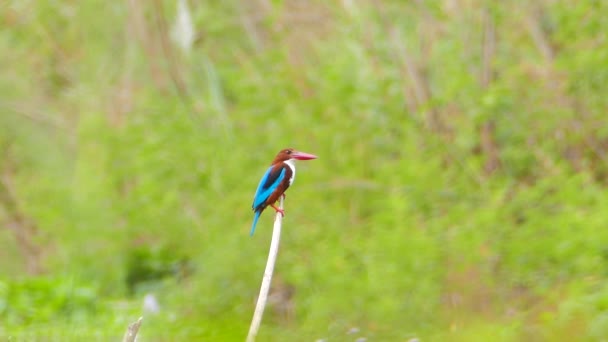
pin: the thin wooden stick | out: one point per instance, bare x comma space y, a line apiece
132, 330
264, 289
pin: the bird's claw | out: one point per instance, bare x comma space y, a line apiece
278, 210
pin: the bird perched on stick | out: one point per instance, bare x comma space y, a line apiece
276, 180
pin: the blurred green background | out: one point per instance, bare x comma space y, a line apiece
460, 193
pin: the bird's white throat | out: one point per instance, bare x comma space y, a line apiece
292, 165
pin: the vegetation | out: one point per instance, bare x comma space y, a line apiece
460, 194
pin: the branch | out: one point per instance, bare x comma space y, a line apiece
488, 128
22, 226
488, 48
420, 84
272, 257
132, 330
539, 36
167, 50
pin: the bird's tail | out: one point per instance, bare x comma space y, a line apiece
255, 222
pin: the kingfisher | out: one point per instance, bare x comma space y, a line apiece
276, 180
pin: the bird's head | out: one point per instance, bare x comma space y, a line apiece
290, 153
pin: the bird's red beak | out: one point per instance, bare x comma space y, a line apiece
303, 156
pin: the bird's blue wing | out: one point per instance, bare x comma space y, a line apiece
269, 182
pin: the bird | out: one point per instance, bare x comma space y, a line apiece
276, 180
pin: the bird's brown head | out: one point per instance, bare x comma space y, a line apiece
290, 153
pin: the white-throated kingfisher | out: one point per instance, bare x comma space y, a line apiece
276, 180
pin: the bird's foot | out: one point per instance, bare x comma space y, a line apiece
278, 210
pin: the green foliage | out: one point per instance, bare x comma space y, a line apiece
42, 300
442, 207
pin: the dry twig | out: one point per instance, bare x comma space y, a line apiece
132, 330
266, 280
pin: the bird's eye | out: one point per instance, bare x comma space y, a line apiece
288, 151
